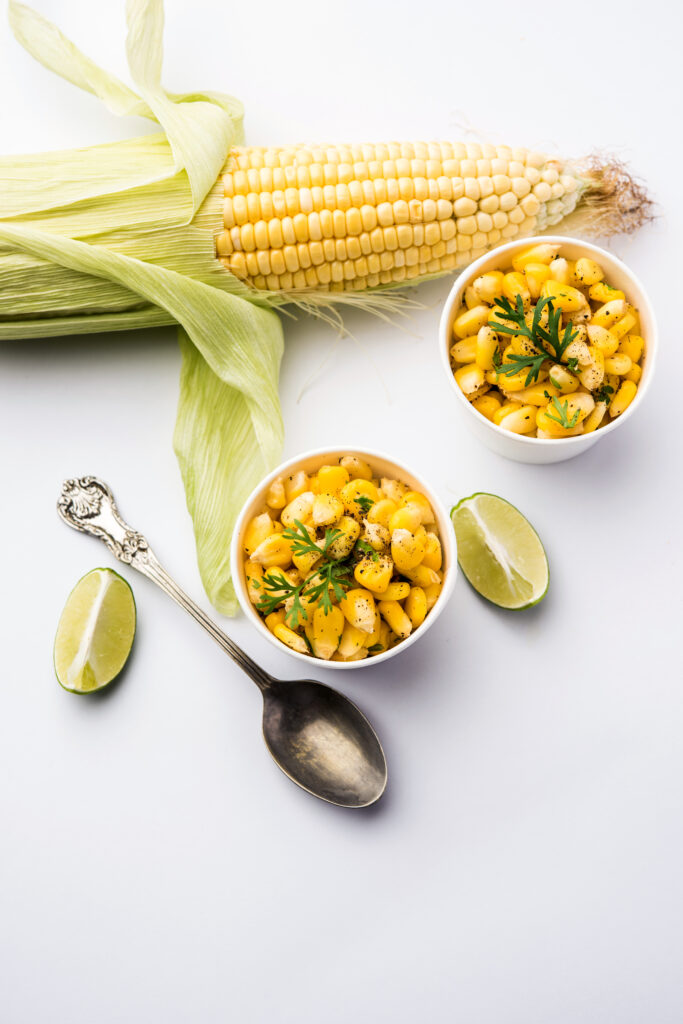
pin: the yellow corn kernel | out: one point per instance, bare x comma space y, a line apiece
471, 298
632, 311
307, 560
562, 379
422, 576
560, 270
465, 351
433, 557
273, 551
470, 321
470, 378
326, 509
431, 593
521, 421
287, 636
299, 508
394, 592
623, 398
623, 326
632, 346
603, 339
536, 394
395, 618
275, 619
416, 606
587, 272
258, 529
360, 655
296, 484
331, 479
358, 469
358, 607
382, 511
593, 421
358, 490
486, 347
514, 284
518, 381
352, 641
489, 286
505, 408
603, 292
542, 253
487, 405
393, 489
327, 632
275, 495
374, 573
608, 314
618, 364
415, 499
374, 639
342, 545
563, 296
408, 549
536, 274
593, 375
376, 535
634, 374
578, 350
406, 518
254, 573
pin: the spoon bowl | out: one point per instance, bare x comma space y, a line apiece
323, 742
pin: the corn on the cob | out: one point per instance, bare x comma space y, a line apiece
356, 217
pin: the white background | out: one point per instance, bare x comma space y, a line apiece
524, 866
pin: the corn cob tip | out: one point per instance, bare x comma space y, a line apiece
614, 201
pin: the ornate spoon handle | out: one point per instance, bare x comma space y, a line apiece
88, 505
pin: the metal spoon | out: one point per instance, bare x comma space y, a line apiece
316, 736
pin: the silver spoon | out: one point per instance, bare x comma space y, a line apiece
316, 736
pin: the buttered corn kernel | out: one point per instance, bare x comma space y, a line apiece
623, 398
340, 564
548, 345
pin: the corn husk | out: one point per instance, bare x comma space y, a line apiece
122, 236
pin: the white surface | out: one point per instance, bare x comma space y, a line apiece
535, 450
525, 865
311, 461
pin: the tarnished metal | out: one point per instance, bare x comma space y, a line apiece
318, 737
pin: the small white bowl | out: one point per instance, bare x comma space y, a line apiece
540, 450
382, 465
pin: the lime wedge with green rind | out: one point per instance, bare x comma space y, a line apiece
95, 632
499, 551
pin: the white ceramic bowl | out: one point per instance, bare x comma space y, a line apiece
382, 466
536, 449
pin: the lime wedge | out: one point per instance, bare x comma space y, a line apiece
499, 551
95, 632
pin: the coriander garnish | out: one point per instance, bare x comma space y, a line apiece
546, 339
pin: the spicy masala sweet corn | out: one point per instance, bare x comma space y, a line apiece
547, 347
342, 564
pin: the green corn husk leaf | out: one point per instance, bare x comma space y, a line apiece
119, 236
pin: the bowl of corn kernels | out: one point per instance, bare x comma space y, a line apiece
343, 556
549, 344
